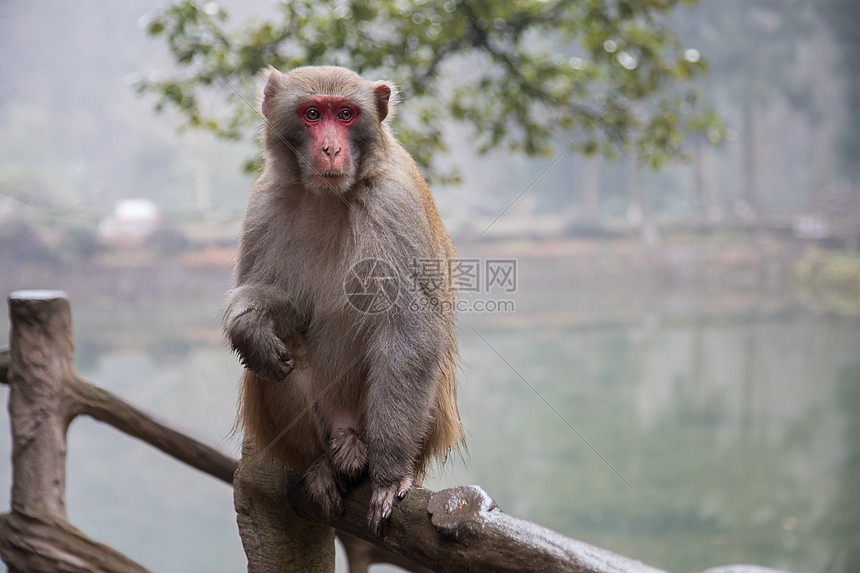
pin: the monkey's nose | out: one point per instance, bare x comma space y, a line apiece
327, 150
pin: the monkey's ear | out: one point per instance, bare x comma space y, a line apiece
271, 76
382, 95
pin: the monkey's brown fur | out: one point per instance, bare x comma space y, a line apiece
329, 389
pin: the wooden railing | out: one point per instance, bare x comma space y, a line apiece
457, 529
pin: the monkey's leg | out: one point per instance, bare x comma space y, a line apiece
322, 485
399, 403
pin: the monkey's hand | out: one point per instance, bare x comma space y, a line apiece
382, 501
259, 349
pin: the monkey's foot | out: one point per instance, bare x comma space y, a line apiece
382, 502
348, 454
321, 484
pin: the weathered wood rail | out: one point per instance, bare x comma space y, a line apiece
458, 529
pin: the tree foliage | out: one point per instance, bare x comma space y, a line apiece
842, 16
527, 75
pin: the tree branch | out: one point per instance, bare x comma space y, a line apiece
85, 398
462, 529
110, 409
37, 544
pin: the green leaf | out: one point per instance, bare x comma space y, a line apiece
519, 74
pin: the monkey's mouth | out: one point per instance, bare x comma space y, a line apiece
332, 178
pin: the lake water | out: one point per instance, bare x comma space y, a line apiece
679, 426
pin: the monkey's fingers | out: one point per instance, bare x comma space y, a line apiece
278, 363
282, 364
286, 366
274, 370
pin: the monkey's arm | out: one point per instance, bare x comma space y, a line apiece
250, 325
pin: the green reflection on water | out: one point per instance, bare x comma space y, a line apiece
741, 436
737, 436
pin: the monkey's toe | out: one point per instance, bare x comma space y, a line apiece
323, 488
382, 502
348, 454
404, 487
381, 506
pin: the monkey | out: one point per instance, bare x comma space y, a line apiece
334, 386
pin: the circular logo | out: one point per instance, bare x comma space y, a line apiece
371, 286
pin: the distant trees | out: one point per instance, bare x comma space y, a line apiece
842, 17
759, 56
517, 73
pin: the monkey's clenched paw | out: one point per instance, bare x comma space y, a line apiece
276, 370
348, 454
259, 349
277, 364
274, 363
322, 487
382, 502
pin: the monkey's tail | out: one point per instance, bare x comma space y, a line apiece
447, 433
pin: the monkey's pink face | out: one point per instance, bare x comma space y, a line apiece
328, 121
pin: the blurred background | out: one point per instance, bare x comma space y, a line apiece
697, 324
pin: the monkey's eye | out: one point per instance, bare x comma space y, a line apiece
345, 115
312, 115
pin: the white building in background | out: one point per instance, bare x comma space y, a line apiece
131, 220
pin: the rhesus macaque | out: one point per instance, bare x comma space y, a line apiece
334, 387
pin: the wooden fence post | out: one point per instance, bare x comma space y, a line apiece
36, 537
42, 347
